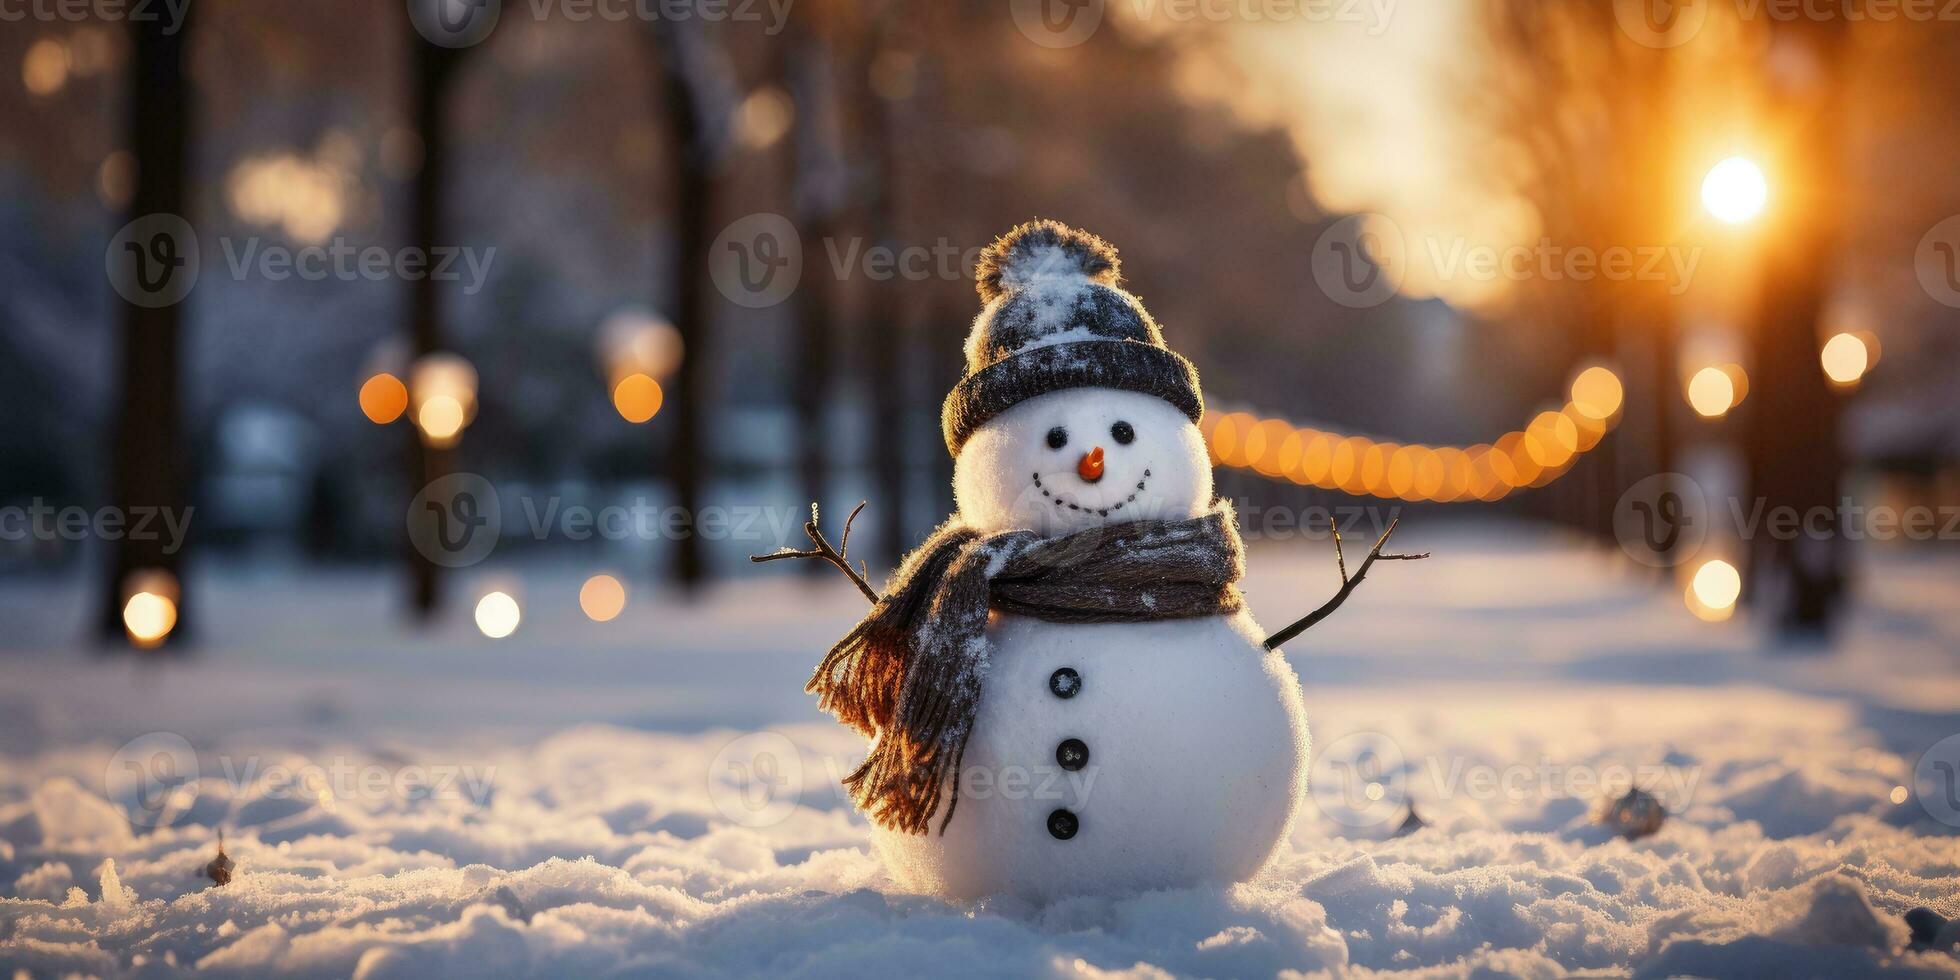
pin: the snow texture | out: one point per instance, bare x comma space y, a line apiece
655, 796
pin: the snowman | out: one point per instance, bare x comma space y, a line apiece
1065, 692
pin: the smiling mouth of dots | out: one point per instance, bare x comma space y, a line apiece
1061, 501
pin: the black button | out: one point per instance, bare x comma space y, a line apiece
1062, 825
1065, 683
1072, 754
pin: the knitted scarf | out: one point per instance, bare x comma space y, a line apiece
910, 674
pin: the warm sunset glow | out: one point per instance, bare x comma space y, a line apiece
1845, 358
602, 598
1711, 392
1735, 190
637, 398
497, 615
383, 398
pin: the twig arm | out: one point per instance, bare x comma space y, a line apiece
1347, 584
836, 556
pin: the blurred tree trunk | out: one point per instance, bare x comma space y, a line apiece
818, 192
434, 67
1794, 460
691, 195
148, 449
885, 336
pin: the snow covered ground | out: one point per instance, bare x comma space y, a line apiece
656, 795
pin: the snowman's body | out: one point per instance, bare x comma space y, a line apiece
1102, 757
1196, 743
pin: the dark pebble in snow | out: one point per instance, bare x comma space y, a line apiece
1410, 824
1635, 815
1925, 924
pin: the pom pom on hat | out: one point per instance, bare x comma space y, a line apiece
1044, 250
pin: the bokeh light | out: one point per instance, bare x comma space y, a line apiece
497, 615
764, 116
1543, 451
149, 618
1711, 392
1735, 190
1597, 393
1845, 358
150, 607
441, 420
602, 597
637, 398
442, 396
383, 398
45, 68
1713, 591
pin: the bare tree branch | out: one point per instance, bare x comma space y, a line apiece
1347, 584
836, 556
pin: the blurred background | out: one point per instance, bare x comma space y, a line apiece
322, 287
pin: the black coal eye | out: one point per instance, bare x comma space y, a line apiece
1057, 437
1122, 433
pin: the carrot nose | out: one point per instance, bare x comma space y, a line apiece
1090, 469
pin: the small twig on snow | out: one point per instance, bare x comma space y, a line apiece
1347, 584
836, 556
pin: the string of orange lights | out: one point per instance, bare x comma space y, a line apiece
1544, 450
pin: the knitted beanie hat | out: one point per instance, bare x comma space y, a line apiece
1055, 318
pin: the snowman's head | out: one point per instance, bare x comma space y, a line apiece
1080, 457
1073, 412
